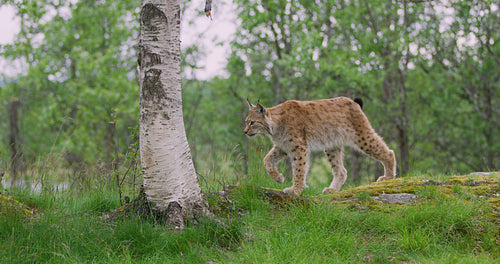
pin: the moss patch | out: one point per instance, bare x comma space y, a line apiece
484, 186
472, 186
10, 206
475, 184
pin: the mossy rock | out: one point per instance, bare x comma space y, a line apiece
398, 185
484, 185
399, 191
477, 184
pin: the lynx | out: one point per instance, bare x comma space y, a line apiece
298, 127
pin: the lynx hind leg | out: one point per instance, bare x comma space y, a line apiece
389, 167
273, 157
374, 146
335, 157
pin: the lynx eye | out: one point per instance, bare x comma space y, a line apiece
251, 123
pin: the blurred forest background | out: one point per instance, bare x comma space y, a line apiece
428, 72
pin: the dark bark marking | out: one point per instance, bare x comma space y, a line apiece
175, 217
153, 19
148, 59
152, 89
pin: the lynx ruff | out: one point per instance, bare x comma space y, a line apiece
298, 127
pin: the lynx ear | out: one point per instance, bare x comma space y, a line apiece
261, 109
250, 105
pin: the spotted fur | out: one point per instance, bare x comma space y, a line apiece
298, 127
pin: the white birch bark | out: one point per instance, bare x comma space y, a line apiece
170, 182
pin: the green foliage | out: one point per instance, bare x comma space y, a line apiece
79, 91
428, 74
430, 86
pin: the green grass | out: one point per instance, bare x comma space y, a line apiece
67, 228
437, 230
456, 226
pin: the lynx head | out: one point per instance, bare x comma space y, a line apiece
256, 122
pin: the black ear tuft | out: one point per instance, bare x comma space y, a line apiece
250, 105
359, 101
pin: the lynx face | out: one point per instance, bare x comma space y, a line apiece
256, 122
298, 127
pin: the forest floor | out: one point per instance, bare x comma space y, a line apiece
439, 219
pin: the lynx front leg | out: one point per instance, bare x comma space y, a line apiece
335, 157
300, 164
273, 157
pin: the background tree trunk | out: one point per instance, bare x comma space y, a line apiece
170, 182
14, 139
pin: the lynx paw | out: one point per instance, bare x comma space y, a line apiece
278, 177
329, 190
292, 191
384, 178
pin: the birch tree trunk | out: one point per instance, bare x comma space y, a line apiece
170, 182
